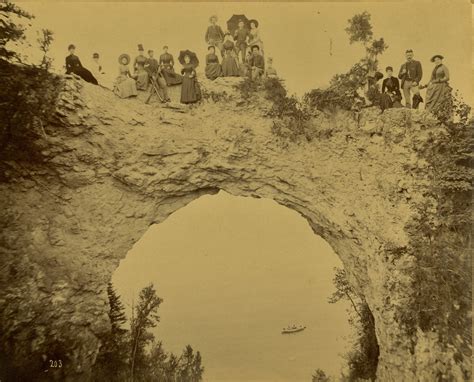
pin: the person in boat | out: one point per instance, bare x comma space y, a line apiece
213, 67
167, 66
438, 92
241, 36
141, 75
391, 94
73, 65
190, 90
256, 64
254, 35
155, 73
214, 35
125, 86
270, 71
230, 67
411, 73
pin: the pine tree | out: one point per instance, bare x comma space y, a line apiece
111, 363
144, 317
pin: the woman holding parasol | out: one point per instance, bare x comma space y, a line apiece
190, 90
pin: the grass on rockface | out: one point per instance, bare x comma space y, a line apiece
442, 276
290, 116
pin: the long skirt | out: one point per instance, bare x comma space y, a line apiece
171, 77
230, 67
125, 87
386, 101
213, 70
86, 75
190, 90
142, 79
438, 98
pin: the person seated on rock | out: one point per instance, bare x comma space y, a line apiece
256, 64
157, 78
270, 71
167, 68
97, 69
213, 68
390, 90
73, 65
125, 86
373, 89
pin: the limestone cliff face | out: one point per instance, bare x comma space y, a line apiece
113, 167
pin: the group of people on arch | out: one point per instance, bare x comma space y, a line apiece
240, 52
408, 81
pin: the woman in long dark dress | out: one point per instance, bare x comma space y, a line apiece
190, 91
73, 65
391, 94
438, 94
141, 75
230, 67
213, 68
167, 68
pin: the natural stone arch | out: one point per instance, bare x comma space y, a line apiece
112, 168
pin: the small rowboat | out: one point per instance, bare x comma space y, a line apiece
293, 329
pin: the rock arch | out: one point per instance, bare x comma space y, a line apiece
113, 167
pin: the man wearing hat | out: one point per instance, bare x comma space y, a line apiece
410, 74
256, 63
241, 35
215, 35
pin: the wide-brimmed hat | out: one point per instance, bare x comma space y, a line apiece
255, 46
436, 56
254, 21
71, 46
122, 56
213, 17
140, 47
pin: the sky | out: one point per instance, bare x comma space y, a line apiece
295, 34
232, 272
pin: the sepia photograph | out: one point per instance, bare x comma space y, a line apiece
236, 191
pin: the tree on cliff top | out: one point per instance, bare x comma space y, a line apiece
342, 90
10, 30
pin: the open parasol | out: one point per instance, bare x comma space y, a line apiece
194, 60
233, 23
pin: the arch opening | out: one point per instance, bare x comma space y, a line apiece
233, 271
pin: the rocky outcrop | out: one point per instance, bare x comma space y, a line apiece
112, 167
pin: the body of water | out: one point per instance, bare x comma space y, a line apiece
233, 272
